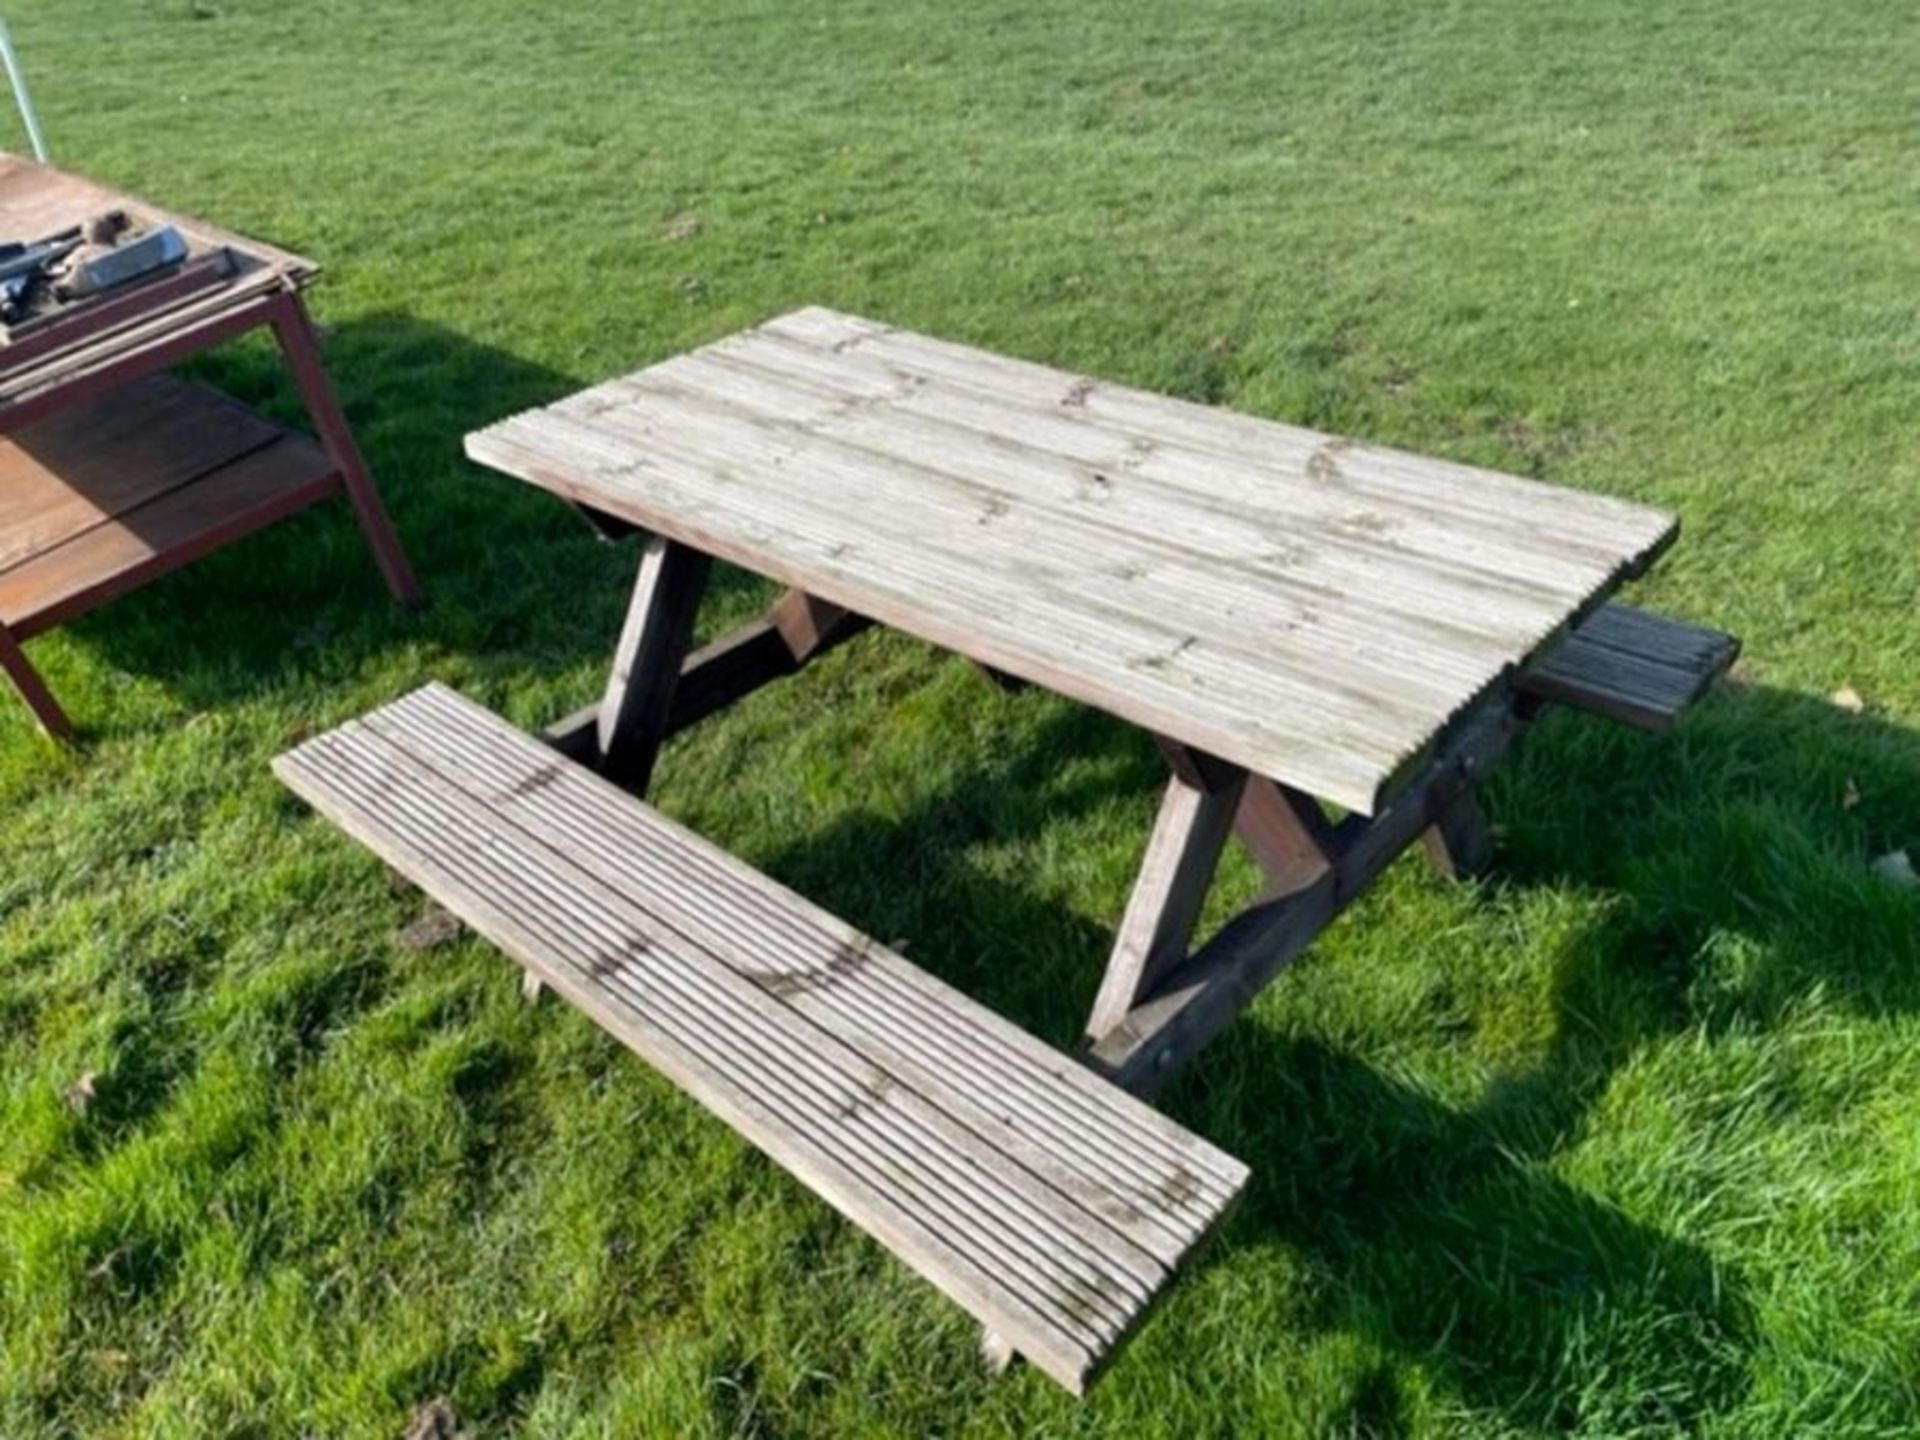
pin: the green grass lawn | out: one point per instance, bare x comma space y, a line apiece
1624, 1141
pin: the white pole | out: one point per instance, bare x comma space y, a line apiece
20, 96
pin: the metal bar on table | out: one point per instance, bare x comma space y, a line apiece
17, 78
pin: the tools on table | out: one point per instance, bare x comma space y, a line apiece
24, 265
43, 279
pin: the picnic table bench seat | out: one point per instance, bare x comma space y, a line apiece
1632, 665
1048, 1202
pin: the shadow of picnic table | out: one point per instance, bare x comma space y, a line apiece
1445, 1232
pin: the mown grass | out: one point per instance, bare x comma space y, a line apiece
1623, 1142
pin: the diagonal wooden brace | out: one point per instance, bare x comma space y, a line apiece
809, 626
1191, 1000
632, 719
1288, 834
797, 629
1182, 854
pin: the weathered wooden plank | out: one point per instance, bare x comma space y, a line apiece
1158, 676
924, 541
1392, 476
880, 1021
735, 989
1308, 609
164, 533
1385, 603
1126, 481
881, 1004
836, 1122
1632, 665
99, 459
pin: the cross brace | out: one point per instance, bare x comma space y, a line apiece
796, 630
1159, 1004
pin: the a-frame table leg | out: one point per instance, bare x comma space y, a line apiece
294, 330
636, 710
32, 688
1314, 870
1196, 818
798, 629
647, 661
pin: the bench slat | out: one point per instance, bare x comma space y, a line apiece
721, 979
1162, 1199
1632, 665
794, 1101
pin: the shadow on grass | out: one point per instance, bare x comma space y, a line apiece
1446, 1236
513, 581
1759, 820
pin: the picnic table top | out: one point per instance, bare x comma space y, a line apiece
1315, 609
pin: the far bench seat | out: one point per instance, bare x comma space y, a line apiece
1632, 665
1049, 1203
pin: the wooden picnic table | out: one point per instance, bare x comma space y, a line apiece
113, 472
1331, 642
1296, 617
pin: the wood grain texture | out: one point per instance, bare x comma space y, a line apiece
1633, 666
1048, 1203
164, 533
1309, 608
101, 458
